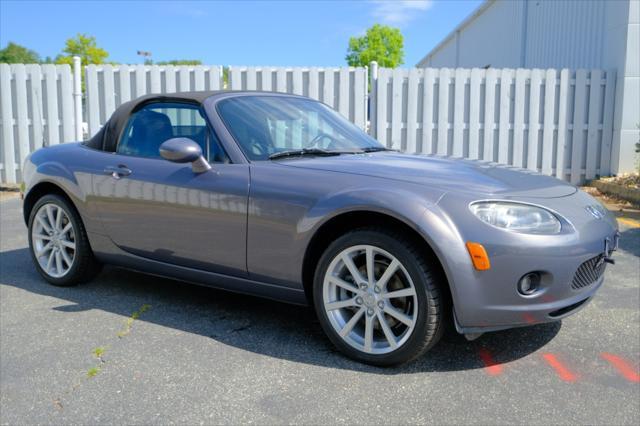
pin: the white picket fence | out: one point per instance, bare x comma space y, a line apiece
108, 86
344, 89
36, 109
556, 122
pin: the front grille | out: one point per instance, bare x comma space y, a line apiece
588, 273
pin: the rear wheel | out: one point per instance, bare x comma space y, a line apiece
58, 242
377, 298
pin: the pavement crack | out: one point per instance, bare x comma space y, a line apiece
241, 328
98, 353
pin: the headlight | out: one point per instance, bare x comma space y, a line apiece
517, 217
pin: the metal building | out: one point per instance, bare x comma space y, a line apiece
557, 34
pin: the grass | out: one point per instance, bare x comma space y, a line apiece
129, 322
98, 352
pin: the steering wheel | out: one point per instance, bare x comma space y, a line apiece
315, 142
257, 148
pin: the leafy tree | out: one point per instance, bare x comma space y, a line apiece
84, 46
381, 43
16, 54
180, 62
225, 77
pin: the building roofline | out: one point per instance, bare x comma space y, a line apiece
477, 12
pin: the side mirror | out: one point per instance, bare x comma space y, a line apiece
184, 150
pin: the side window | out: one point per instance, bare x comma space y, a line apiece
153, 124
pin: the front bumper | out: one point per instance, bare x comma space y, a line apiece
489, 300
531, 315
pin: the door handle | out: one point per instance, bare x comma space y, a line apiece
117, 172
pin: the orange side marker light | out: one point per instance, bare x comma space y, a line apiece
622, 366
479, 256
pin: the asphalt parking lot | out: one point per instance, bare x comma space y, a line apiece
136, 349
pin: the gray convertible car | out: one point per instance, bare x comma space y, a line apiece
279, 196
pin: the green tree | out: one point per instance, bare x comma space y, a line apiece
84, 46
180, 62
381, 43
16, 54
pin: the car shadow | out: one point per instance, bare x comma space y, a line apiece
261, 326
630, 241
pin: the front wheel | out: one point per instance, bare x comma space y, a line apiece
377, 297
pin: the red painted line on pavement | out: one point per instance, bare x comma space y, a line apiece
491, 367
563, 372
622, 366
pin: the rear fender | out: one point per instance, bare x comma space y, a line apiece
75, 185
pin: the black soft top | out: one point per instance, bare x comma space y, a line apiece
107, 137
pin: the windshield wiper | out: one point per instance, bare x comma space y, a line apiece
376, 149
324, 153
303, 152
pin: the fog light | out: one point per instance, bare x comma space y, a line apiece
529, 284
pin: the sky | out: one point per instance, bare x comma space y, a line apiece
276, 33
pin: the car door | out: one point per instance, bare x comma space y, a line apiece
164, 211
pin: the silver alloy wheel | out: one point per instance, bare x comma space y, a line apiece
53, 240
370, 299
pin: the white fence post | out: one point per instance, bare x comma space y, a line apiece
22, 112
412, 111
8, 148
442, 142
77, 97
607, 126
93, 99
372, 97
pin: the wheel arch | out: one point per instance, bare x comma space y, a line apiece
38, 191
351, 220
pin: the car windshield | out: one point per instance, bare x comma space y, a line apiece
267, 125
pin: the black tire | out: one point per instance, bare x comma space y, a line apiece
429, 324
84, 266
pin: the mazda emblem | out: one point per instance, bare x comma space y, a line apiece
594, 212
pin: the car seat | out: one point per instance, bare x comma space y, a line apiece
149, 130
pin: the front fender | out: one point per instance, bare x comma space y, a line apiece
422, 214
364, 199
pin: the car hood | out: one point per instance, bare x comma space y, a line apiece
442, 173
